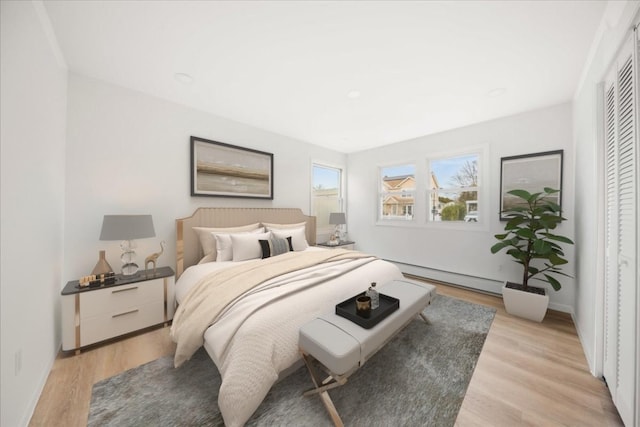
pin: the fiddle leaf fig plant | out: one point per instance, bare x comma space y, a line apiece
529, 240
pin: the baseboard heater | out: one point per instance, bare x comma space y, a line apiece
490, 286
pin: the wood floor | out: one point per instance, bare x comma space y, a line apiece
528, 374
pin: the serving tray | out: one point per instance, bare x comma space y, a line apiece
347, 309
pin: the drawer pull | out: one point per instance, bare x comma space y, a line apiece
124, 290
126, 312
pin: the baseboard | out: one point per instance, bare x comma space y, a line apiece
587, 354
482, 284
463, 280
33, 402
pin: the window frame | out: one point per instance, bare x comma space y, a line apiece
421, 205
341, 195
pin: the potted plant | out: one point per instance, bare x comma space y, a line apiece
529, 241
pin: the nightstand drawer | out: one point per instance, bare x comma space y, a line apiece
119, 322
120, 298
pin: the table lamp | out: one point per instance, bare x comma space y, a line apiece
337, 219
127, 228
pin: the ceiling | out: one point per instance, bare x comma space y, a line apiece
295, 68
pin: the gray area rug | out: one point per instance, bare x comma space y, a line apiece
418, 379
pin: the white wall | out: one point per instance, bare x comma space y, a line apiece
128, 152
32, 135
589, 161
464, 251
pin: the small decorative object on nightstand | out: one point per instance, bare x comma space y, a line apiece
154, 257
127, 228
102, 267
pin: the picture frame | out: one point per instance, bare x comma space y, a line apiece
224, 170
530, 172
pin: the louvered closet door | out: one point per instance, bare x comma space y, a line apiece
621, 280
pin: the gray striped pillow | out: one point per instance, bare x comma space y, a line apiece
275, 246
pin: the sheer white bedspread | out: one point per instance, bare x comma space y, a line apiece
256, 338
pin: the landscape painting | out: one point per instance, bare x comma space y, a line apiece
530, 172
224, 170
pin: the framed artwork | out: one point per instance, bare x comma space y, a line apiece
530, 172
225, 170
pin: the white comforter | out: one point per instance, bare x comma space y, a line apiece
256, 338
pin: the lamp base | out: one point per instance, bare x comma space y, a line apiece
128, 258
129, 269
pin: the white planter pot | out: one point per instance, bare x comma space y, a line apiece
525, 304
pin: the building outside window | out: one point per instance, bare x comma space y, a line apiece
453, 189
397, 192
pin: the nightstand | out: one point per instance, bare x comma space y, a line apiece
342, 245
91, 315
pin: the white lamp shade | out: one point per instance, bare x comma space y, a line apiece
127, 227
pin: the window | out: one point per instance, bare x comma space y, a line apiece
397, 192
326, 195
453, 189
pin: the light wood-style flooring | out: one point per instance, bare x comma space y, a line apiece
528, 374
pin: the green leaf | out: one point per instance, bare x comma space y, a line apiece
556, 285
517, 254
499, 246
554, 207
523, 194
525, 233
514, 223
558, 238
556, 260
533, 197
542, 247
550, 190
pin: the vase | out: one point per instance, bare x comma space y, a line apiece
525, 304
102, 266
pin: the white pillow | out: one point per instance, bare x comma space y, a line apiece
208, 242
224, 246
281, 226
298, 237
247, 246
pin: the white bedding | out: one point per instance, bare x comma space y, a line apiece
256, 338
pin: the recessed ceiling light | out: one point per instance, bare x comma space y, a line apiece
183, 78
353, 94
494, 93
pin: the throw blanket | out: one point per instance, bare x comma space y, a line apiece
214, 292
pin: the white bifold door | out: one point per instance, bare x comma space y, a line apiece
622, 297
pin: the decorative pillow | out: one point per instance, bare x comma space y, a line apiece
281, 226
298, 237
275, 246
224, 246
247, 246
208, 242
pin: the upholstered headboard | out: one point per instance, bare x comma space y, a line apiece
188, 251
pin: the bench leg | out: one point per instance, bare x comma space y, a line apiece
322, 392
425, 318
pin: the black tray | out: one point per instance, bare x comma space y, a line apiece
347, 309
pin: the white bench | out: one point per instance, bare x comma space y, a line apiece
342, 346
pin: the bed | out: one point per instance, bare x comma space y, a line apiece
247, 310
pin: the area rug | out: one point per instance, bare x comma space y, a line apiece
418, 378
